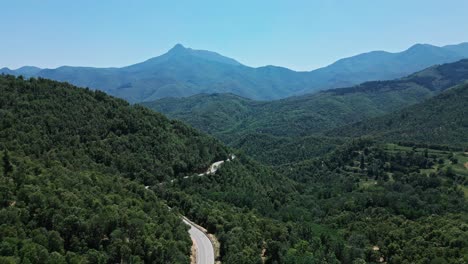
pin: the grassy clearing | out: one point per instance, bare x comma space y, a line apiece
365, 184
460, 167
397, 148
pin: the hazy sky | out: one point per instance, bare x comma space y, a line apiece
301, 35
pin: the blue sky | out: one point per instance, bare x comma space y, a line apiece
301, 35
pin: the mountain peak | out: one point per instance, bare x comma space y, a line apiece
180, 51
177, 48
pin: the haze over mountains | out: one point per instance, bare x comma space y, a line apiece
87, 177
183, 72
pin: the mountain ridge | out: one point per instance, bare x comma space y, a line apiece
253, 125
182, 72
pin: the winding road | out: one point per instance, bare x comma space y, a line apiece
205, 253
204, 247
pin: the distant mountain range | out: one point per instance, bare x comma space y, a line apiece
184, 72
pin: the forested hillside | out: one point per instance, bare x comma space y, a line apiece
50, 117
363, 203
120, 146
221, 115
393, 197
68, 159
234, 119
227, 115
74, 162
276, 150
441, 120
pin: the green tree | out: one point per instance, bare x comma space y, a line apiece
7, 166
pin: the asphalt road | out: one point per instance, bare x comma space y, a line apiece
205, 251
204, 247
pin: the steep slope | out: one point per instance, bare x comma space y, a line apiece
439, 120
217, 114
184, 72
68, 117
68, 158
276, 150
73, 164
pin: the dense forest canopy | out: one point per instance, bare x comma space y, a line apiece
75, 162
228, 116
442, 120
339, 208
235, 120
48, 119
69, 156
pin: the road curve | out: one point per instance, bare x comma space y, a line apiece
204, 248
